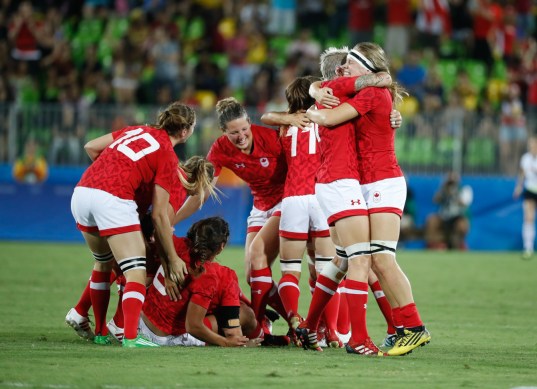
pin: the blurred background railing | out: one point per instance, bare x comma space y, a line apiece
450, 139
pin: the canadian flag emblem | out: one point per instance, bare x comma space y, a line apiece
377, 197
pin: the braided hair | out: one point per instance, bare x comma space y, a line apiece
207, 237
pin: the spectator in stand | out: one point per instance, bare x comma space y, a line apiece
412, 75
239, 72
529, 73
513, 132
307, 50
282, 17
399, 24
486, 15
31, 167
361, 20
126, 71
432, 22
461, 24
67, 134
527, 187
466, 90
447, 229
24, 30
165, 54
207, 75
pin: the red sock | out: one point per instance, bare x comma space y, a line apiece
410, 316
84, 303
261, 285
289, 293
118, 316
133, 299
244, 299
331, 312
343, 323
311, 283
324, 290
100, 298
384, 306
357, 300
258, 332
275, 301
397, 319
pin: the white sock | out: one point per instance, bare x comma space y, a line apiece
528, 236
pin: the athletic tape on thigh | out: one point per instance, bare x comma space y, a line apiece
320, 263
103, 258
133, 263
331, 271
358, 249
343, 259
291, 265
383, 247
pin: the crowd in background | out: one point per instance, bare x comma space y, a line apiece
453, 56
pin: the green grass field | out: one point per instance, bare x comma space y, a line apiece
481, 309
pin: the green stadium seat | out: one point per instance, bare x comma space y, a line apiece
401, 147
445, 148
421, 152
116, 28
480, 153
93, 133
195, 29
221, 60
379, 34
278, 45
477, 71
447, 69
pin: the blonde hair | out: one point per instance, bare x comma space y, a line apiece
229, 109
199, 177
376, 55
330, 59
175, 118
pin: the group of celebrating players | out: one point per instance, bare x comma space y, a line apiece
327, 183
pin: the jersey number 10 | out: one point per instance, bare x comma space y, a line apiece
122, 144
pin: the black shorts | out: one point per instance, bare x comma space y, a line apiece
527, 195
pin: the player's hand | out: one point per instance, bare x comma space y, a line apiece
236, 341
299, 119
178, 270
254, 342
396, 119
325, 97
172, 289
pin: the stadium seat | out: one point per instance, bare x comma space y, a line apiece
480, 153
278, 45
379, 34
195, 29
401, 147
221, 60
477, 71
447, 69
421, 152
93, 133
445, 148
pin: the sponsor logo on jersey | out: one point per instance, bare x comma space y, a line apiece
355, 202
240, 165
